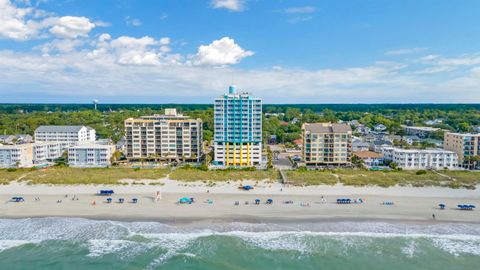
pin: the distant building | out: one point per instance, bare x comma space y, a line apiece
65, 135
327, 144
16, 139
421, 132
359, 145
378, 145
410, 140
90, 155
380, 127
370, 159
419, 159
238, 129
466, 145
165, 137
433, 122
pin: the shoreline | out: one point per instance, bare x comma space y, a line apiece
411, 204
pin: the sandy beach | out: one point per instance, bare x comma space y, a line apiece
410, 204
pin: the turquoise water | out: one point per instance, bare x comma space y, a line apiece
72, 243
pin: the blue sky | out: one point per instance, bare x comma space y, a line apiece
286, 51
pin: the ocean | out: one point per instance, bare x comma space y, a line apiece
75, 243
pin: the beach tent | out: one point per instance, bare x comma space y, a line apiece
247, 187
185, 200
106, 192
17, 199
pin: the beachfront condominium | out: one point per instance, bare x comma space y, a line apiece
29, 154
65, 135
327, 144
237, 129
467, 147
164, 137
421, 159
91, 155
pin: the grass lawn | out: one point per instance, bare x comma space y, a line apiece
74, 176
8, 176
194, 174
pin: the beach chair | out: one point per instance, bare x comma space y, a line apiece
442, 206
109, 200
134, 200
269, 201
121, 200
257, 201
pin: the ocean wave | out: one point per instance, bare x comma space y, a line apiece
129, 239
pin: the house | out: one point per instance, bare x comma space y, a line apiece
378, 145
369, 158
298, 143
410, 140
380, 127
421, 132
16, 139
360, 146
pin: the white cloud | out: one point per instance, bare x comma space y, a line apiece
132, 21
299, 10
232, 5
61, 45
465, 60
14, 23
405, 51
220, 52
70, 26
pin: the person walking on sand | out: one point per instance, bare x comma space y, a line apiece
433, 216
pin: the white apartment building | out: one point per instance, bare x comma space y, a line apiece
46, 151
91, 155
421, 132
237, 129
419, 159
65, 135
12, 156
30, 154
166, 137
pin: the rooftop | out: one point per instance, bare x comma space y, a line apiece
327, 128
367, 154
61, 128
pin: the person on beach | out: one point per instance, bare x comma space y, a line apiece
94, 203
433, 216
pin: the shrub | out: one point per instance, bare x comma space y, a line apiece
421, 172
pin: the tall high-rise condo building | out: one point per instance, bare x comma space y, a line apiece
238, 129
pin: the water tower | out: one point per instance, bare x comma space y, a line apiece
95, 102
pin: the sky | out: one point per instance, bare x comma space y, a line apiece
285, 51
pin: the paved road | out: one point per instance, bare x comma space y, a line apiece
283, 162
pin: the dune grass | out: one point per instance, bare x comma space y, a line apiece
8, 175
75, 176
299, 177
359, 177
194, 174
